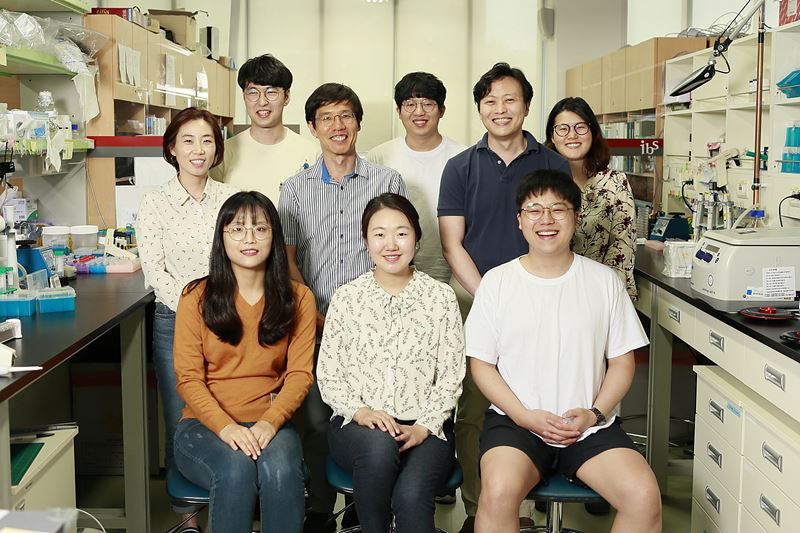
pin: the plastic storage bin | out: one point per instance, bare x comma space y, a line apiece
55, 236
84, 237
56, 300
19, 303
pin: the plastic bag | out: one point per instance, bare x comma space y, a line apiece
9, 36
91, 42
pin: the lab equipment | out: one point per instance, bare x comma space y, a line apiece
56, 300
20, 303
6, 370
84, 237
747, 267
672, 226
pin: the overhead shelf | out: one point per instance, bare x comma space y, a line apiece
38, 6
27, 61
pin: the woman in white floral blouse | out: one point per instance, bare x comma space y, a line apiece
390, 367
606, 231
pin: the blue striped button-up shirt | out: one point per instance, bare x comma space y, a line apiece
322, 218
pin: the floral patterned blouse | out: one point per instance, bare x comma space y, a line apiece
606, 231
400, 354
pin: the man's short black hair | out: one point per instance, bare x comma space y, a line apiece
265, 70
541, 181
499, 71
420, 85
332, 93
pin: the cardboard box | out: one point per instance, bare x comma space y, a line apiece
788, 11
181, 23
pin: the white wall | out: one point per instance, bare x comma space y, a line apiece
655, 18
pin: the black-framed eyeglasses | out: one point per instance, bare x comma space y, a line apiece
534, 212
410, 105
238, 232
562, 130
270, 93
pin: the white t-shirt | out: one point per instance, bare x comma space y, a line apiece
550, 337
251, 166
422, 172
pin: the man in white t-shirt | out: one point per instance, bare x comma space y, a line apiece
420, 157
550, 338
267, 153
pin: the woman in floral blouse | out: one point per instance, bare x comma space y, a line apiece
606, 230
390, 366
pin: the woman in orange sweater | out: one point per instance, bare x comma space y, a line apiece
244, 344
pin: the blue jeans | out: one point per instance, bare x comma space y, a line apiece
234, 480
163, 362
387, 482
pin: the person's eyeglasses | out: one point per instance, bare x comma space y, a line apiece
270, 93
536, 211
348, 117
562, 130
409, 106
238, 232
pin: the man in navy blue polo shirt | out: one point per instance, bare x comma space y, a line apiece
478, 224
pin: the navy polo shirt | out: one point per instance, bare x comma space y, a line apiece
477, 185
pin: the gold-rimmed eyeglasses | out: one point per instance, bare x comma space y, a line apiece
252, 94
238, 231
410, 105
534, 212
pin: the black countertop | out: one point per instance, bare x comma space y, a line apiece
101, 303
649, 265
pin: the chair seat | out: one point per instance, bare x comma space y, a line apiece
183, 491
557, 488
342, 480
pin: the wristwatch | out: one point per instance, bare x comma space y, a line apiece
601, 418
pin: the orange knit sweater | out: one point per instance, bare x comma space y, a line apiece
224, 384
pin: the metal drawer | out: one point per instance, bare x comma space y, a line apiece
721, 411
768, 504
774, 453
714, 498
720, 343
774, 376
718, 457
676, 316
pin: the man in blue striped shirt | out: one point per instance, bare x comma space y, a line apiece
320, 209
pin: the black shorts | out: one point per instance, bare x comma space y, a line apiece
500, 430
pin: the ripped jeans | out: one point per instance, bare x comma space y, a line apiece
235, 480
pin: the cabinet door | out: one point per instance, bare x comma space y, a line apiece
574, 85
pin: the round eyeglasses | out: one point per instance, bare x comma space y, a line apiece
270, 93
562, 130
534, 212
409, 106
238, 232
348, 117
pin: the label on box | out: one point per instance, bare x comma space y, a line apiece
779, 282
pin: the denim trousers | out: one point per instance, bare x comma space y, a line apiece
163, 363
387, 482
234, 480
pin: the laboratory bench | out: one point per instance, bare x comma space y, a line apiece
746, 472
103, 303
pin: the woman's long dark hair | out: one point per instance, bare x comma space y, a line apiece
597, 158
219, 299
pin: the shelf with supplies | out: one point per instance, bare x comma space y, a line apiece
46, 6
24, 61
721, 116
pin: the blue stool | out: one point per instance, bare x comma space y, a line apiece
557, 490
342, 480
184, 493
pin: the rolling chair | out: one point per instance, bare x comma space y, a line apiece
342, 480
555, 491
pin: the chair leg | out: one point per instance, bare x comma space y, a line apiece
185, 520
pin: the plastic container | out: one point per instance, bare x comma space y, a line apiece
56, 300
55, 236
84, 237
20, 303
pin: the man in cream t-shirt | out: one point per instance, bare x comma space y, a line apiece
420, 157
266, 154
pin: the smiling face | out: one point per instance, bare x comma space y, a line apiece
503, 109
573, 146
548, 236
252, 251
194, 149
336, 127
391, 242
263, 112
418, 121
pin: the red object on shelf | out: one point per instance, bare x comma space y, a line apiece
123, 12
102, 141
788, 11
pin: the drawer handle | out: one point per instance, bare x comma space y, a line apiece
776, 378
769, 508
715, 455
716, 410
772, 456
714, 500
674, 314
715, 339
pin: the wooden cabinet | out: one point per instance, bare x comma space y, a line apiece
614, 81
